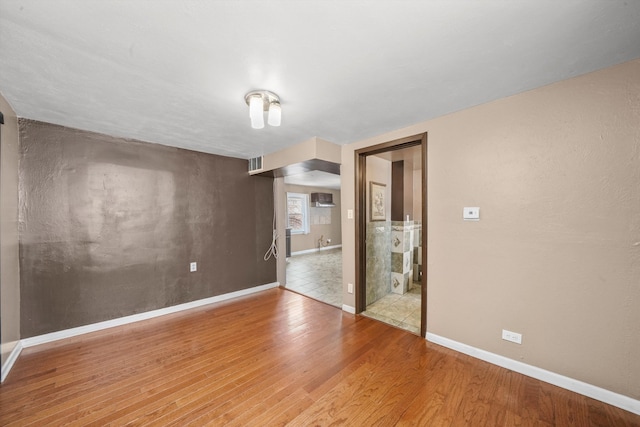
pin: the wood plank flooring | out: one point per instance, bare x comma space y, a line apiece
277, 358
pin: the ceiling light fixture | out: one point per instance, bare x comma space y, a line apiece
260, 101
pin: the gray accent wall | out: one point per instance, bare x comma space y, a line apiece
9, 265
109, 227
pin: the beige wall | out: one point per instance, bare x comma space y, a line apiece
9, 265
314, 148
408, 189
333, 231
556, 255
379, 171
417, 195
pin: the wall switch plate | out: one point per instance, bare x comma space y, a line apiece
349, 213
471, 214
193, 267
512, 336
350, 288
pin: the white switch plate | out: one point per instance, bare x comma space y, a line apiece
349, 213
350, 288
193, 267
512, 336
471, 214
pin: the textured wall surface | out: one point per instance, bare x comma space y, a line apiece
109, 227
556, 253
9, 265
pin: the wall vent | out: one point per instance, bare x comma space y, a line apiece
255, 164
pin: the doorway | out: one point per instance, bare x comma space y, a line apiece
391, 232
314, 234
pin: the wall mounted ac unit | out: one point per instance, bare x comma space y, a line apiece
322, 200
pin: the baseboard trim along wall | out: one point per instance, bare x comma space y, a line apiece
8, 364
310, 251
68, 333
348, 309
594, 392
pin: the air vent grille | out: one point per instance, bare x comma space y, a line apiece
255, 164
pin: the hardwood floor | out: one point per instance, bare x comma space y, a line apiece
277, 358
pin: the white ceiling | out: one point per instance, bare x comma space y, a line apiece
176, 72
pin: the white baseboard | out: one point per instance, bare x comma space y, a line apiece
348, 309
594, 392
310, 251
68, 333
8, 364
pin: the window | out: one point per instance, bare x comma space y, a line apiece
298, 213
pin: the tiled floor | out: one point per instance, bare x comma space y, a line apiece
318, 275
399, 310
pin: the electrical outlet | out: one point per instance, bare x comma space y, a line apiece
350, 288
349, 213
512, 336
193, 267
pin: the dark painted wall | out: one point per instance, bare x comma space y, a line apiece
109, 226
397, 191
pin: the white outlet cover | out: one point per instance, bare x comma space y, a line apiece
512, 336
193, 267
471, 214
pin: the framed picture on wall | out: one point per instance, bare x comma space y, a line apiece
377, 194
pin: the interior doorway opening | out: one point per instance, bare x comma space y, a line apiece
313, 265
391, 230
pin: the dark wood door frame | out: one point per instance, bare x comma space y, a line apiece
361, 223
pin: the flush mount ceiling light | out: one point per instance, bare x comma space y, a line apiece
260, 101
